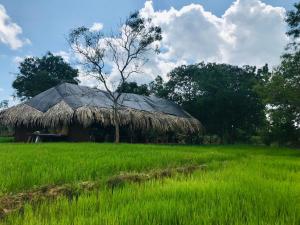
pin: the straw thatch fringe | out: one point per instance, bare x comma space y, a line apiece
20, 115
62, 114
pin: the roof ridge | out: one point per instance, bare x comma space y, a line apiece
56, 88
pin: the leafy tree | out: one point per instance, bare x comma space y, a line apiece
39, 74
158, 87
293, 20
221, 96
281, 90
134, 88
3, 129
281, 93
126, 51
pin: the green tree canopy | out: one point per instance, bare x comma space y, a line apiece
293, 20
221, 96
281, 90
281, 94
39, 74
134, 88
158, 88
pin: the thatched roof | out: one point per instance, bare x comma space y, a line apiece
68, 104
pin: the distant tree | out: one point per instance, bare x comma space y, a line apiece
158, 87
221, 96
3, 129
281, 93
293, 20
134, 88
39, 74
127, 51
281, 90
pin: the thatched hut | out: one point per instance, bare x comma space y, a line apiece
84, 114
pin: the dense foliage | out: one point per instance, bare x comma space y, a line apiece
134, 88
293, 20
281, 90
221, 96
281, 94
39, 74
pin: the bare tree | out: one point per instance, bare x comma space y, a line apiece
127, 51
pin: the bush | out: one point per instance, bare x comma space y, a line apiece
256, 140
211, 140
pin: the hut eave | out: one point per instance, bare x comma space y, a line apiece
62, 114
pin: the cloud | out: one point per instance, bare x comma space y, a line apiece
65, 55
10, 31
189, 34
258, 33
250, 32
87, 80
18, 59
96, 27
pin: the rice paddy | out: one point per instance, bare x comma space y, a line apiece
239, 185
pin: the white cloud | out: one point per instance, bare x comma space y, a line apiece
12, 101
18, 59
10, 31
65, 55
87, 80
250, 32
96, 27
189, 34
258, 33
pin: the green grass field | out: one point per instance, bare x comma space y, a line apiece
240, 185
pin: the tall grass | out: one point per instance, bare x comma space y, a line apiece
242, 184
233, 193
23, 166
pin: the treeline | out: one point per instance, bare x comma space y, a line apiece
235, 103
221, 96
240, 104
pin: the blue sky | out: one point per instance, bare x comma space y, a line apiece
47, 23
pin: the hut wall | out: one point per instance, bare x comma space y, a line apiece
22, 134
76, 133
79, 134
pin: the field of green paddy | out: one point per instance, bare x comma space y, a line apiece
239, 185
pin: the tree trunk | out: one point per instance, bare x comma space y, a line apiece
131, 133
117, 125
117, 133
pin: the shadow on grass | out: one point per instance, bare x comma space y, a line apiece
6, 139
